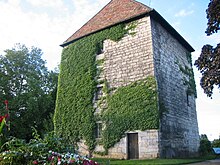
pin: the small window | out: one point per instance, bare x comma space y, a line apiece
187, 99
100, 48
99, 93
100, 51
98, 130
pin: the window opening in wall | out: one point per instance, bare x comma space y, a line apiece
98, 130
187, 98
100, 51
100, 48
99, 93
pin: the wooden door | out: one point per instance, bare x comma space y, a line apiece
133, 149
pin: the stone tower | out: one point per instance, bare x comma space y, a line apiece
164, 119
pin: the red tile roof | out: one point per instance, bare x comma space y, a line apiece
114, 12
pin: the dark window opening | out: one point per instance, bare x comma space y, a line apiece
99, 93
98, 130
100, 48
187, 99
100, 51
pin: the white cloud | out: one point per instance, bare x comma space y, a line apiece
183, 13
41, 29
84, 9
31, 29
46, 3
14, 2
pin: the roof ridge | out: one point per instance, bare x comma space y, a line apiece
140, 4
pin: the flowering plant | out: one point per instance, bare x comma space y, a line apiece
41, 151
3, 121
55, 158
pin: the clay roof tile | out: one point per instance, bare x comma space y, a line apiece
114, 12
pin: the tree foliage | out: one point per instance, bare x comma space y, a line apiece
205, 145
209, 65
29, 87
213, 16
209, 61
216, 143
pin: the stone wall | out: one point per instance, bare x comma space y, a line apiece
126, 61
151, 50
119, 151
179, 135
131, 58
147, 144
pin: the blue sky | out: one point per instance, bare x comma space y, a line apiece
47, 23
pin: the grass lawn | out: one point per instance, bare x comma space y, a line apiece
147, 162
152, 161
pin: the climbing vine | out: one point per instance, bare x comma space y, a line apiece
74, 119
189, 58
189, 80
130, 108
133, 107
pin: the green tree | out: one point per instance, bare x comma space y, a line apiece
205, 145
209, 61
213, 16
216, 143
30, 89
48, 125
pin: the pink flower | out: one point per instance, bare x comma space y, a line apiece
6, 104
50, 158
1, 118
6, 116
72, 161
93, 163
35, 162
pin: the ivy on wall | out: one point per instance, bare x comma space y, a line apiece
189, 80
130, 108
73, 118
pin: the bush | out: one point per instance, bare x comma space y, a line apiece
205, 147
49, 150
216, 143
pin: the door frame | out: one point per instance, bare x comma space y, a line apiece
128, 145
